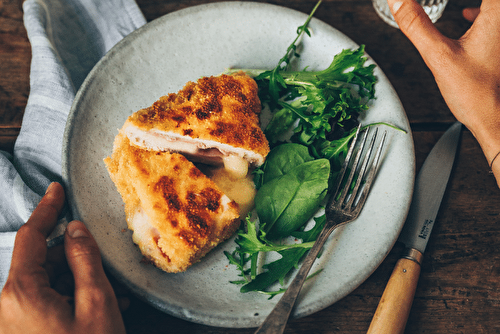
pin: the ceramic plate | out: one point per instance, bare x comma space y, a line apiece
160, 58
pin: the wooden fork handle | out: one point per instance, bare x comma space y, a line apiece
394, 306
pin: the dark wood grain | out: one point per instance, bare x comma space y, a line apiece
15, 56
459, 287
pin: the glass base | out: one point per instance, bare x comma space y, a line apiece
435, 10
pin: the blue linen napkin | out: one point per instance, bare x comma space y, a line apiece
67, 37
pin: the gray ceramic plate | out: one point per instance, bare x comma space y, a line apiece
160, 58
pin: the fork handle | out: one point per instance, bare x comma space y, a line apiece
394, 306
275, 322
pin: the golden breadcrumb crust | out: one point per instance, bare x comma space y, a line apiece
188, 214
222, 108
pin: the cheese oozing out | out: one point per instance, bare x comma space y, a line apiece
236, 166
241, 190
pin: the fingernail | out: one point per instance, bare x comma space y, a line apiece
396, 6
49, 188
77, 230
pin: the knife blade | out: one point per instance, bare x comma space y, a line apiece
430, 185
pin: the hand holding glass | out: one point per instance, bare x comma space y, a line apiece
433, 8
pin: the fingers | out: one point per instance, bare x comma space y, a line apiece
434, 48
470, 14
84, 259
28, 287
30, 247
416, 25
44, 217
92, 288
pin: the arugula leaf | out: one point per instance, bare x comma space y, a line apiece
251, 243
278, 270
276, 82
347, 67
282, 120
321, 101
239, 260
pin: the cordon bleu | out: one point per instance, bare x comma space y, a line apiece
176, 212
215, 121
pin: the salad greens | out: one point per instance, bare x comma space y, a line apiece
321, 109
280, 161
285, 203
277, 270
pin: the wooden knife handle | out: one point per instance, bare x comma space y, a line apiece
394, 306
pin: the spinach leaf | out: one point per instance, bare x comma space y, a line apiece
284, 158
288, 202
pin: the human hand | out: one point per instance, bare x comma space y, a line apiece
28, 303
467, 70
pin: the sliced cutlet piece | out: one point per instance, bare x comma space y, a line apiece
176, 212
214, 121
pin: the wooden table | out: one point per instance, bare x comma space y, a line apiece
459, 287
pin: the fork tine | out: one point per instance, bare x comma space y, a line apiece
345, 164
371, 175
354, 167
362, 171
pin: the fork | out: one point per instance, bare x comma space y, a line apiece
344, 206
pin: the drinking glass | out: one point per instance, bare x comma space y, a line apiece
433, 8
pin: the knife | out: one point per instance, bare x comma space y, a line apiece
394, 306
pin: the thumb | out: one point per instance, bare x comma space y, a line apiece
416, 25
93, 292
470, 14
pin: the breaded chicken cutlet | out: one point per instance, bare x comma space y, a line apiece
176, 212
215, 121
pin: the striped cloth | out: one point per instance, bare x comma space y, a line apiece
67, 39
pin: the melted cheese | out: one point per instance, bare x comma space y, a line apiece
241, 190
236, 166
